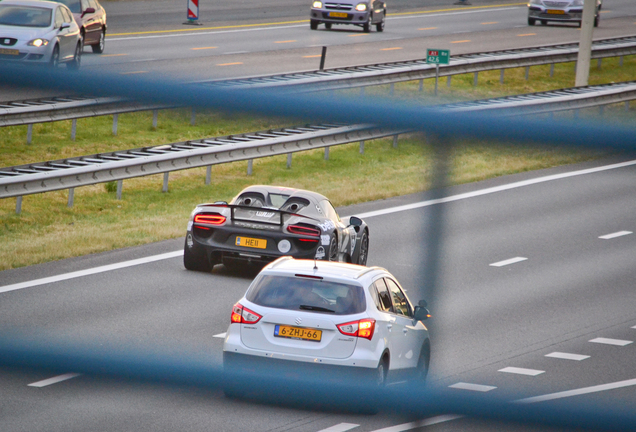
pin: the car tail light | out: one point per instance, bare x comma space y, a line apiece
303, 230
363, 328
207, 218
242, 315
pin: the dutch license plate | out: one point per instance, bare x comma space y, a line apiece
298, 333
338, 14
556, 12
251, 242
9, 51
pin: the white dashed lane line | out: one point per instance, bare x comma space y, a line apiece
54, 380
508, 262
581, 391
521, 371
608, 341
420, 423
616, 234
472, 387
567, 356
342, 427
220, 335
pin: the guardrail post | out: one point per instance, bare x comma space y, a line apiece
322, 57
448, 81
599, 62
115, 121
250, 165
395, 141
155, 117
289, 158
165, 182
392, 89
501, 76
620, 61
71, 195
29, 133
193, 118
73, 129
527, 73
421, 85
551, 70
362, 147
208, 174
120, 186
475, 78
326, 153
18, 205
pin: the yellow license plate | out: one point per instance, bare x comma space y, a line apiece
251, 242
298, 333
338, 14
9, 51
556, 12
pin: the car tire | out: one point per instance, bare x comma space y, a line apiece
364, 248
424, 362
328, 26
380, 26
366, 27
531, 21
99, 47
313, 24
380, 373
55, 57
333, 249
194, 258
596, 21
77, 58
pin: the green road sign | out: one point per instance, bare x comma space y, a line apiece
437, 56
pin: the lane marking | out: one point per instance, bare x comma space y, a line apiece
358, 35
428, 28
112, 55
495, 189
203, 48
568, 356
464, 10
287, 41
230, 64
508, 262
91, 271
616, 234
578, 392
390, 49
461, 41
54, 380
235, 52
366, 215
342, 427
521, 371
472, 387
526, 34
490, 23
220, 335
420, 423
608, 341
312, 56
634, 327
132, 73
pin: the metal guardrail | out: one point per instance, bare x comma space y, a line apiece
115, 166
388, 73
67, 108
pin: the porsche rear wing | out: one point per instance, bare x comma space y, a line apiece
263, 215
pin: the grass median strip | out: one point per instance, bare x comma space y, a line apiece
49, 230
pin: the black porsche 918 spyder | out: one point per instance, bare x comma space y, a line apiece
263, 223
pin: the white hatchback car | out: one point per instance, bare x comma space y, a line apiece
304, 317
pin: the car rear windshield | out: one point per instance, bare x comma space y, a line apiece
24, 16
307, 294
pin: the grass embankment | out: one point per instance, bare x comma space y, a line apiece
48, 230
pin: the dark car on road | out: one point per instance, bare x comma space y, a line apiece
263, 223
362, 13
91, 19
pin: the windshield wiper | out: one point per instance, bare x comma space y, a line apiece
315, 308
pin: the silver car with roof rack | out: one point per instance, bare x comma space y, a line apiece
563, 11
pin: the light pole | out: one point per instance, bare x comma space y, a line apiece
585, 45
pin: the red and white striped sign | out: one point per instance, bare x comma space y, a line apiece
193, 9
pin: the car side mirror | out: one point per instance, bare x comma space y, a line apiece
422, 303
89, 10
355, 221
65, 26
421, 313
